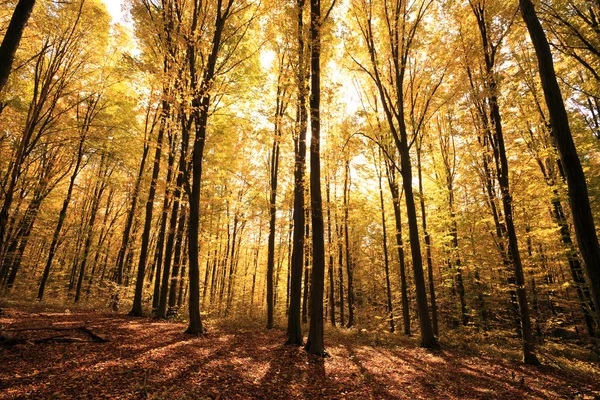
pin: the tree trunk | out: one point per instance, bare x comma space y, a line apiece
400, 246
314, 343
294, 329
331, 248
136, 309
272, 220
61, 219
166, 270
131, 215
10, 43
103, 174
578, 194
307, 259
386, 260
175, 278
434, 318
349, 266
159, 256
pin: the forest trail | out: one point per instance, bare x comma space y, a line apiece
145, 358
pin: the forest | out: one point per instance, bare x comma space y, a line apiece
299, 199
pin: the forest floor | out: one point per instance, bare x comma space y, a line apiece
145, 358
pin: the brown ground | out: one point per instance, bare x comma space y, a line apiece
150, 359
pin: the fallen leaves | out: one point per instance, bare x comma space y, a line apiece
151, 359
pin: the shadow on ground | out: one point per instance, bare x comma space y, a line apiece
150, 359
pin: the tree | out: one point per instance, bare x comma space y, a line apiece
497, 140
577, 187
314, 343
402, 22
294, 329
281, 101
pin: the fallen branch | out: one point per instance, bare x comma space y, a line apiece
7, 339
50, 328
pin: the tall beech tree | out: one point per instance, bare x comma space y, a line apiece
294, 328
348, 255
490, 49
315, 343
386, 259
583, 218
281, 102
149, 129
399, 31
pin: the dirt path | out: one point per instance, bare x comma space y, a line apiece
149, 359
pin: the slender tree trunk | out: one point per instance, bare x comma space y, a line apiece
272, 218
294, 329
315, 343
340, 249
400, 246
349, 266
159, 258
503, 181
166, 270
307, 258
136, 309
61, 219
130, 216
434, 318
101, 238
103, 174
22, 238
177, 259
182, 278
331, 248
386, 260
427, 336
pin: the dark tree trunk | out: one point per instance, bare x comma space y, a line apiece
131, 215
103, 174
104, 231
159, 256
395, 116
427, 336
61, 219
307, 259
349, 266
177, 259
10, 43
578, 194
163, 300
200, 111
331, 248
136, 309
489, 49
340, 249
447, 150
272, 220
13, 260
314, 343
294, 329
434, 318
183, 274
386, 259
235, 245
400, 246
280, 107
